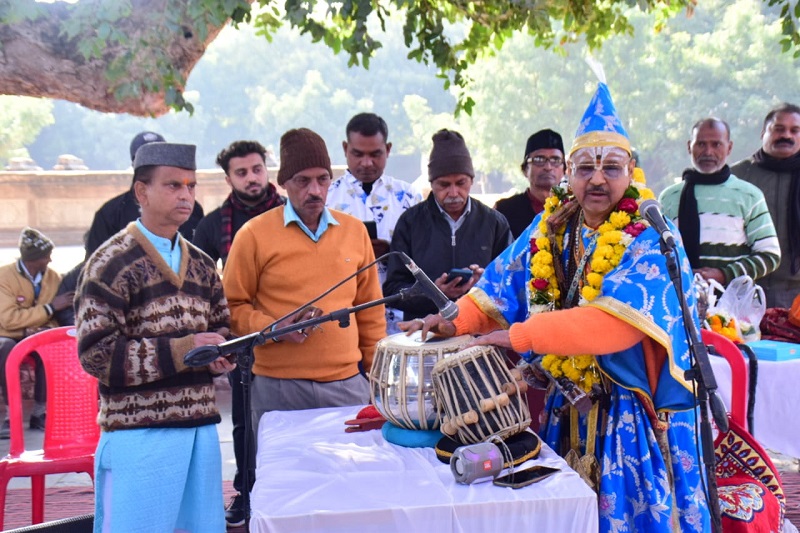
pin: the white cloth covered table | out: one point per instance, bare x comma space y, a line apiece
312, 476
777, 402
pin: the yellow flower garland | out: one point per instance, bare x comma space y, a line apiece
613, 238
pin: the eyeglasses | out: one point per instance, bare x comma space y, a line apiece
304, 181
540, 161
611, 171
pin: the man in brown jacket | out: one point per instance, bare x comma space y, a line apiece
27, 303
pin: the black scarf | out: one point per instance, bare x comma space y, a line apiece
688, 215
792, 166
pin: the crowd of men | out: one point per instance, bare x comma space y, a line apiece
151, 288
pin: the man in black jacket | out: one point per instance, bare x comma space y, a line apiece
245, 167
447, 231
543, 164
121, 210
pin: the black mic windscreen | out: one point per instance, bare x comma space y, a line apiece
201, 356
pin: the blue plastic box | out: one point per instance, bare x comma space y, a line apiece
775, 350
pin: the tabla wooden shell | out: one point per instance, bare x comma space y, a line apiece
479, 396
400, 380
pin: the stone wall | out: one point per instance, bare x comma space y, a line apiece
62, 204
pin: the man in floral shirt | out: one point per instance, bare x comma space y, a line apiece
365, 192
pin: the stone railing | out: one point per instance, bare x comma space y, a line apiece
62, 204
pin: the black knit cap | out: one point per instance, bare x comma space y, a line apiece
540, 140
302, 149
449, 155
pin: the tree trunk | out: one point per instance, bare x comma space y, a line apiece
157, 40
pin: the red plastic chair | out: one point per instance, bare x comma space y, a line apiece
71, 431
739, 375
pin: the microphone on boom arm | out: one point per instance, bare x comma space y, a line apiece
447, 308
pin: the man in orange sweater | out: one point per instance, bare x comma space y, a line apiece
286, 257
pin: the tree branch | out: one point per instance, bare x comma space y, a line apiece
154, 46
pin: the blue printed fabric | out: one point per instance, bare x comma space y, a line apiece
636, 492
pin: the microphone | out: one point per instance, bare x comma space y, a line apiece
447, 309
651, 211
203, 355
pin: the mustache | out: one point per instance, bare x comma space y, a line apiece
596, 189
785, 140
313, 198
454, 200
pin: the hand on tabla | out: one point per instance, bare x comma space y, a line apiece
430, 324
498, 337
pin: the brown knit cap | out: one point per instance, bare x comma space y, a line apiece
449, 155
302, 149
33, 245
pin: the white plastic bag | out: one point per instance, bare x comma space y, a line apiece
744, 301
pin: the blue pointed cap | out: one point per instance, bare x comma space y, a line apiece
600, 125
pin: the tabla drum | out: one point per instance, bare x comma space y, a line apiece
479, 397
400, 380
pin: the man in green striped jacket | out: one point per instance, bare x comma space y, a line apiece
726, 227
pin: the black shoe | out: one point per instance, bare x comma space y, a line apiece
234, 513
37, 421
5, 430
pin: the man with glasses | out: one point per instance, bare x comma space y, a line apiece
543, 165
285, 258
725, 225
587, 285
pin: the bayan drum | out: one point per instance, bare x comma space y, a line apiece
479, 397
400, 379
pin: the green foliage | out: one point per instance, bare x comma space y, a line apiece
724, 61
21, 120
247, 88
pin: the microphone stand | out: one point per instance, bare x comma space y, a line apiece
703, 376
243, 348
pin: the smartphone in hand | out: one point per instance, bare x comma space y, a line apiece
523, 478
372, 228
462, 273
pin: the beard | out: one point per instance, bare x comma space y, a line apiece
251, 197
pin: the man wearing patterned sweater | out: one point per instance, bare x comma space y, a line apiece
726, 227
145, 299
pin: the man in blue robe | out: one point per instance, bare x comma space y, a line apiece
586, 287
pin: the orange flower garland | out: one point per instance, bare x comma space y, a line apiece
614, 236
